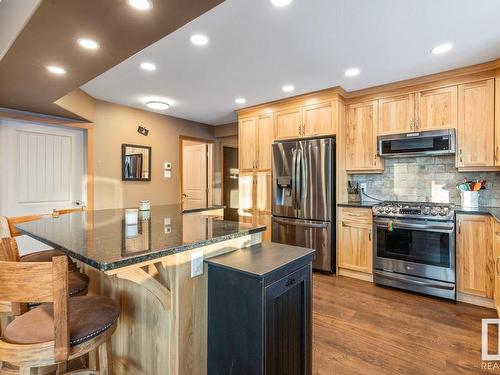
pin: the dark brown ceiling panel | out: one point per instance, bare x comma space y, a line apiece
50, 38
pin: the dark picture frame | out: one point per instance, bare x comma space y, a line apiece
134, 161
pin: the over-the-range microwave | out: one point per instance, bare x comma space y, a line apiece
425, 143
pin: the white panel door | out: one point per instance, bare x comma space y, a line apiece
43, 167
194, 176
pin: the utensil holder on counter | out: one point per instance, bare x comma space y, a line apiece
470, 198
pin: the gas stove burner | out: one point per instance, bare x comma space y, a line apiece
422, 210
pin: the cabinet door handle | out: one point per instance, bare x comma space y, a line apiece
496, 266
496, 153
291, 281
369, 235
375, 159
460, 154
459, 228
497, 233
412, 125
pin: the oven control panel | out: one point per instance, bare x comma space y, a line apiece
421, 210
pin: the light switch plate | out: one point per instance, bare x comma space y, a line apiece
167, 221
167, 174
168, 166
197, 263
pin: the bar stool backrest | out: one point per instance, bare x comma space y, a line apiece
37, 282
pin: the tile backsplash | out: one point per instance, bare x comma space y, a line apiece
430, 179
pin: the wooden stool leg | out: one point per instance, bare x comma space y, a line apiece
61, 368
92, 365
105, 358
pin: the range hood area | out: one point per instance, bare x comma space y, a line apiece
425, 143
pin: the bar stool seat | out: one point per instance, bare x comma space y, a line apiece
78, 284
89, 316
46, 256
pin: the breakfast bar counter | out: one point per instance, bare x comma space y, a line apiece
151, 269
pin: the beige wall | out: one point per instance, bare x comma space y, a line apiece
114, 125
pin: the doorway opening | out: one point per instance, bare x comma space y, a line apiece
196, 161
230, 177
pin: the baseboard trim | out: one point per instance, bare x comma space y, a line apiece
355, 274
475, 300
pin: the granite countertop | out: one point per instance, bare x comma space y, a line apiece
368, 204
201, 209
493, 211
102, 240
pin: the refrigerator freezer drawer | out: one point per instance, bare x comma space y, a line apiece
306, 233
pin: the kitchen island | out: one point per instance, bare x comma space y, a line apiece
147, 268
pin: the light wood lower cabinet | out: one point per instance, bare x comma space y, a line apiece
474, 250
496, 269
355, 250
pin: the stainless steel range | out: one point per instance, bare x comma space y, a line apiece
414, 247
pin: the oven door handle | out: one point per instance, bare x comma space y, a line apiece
398, 224
414, 282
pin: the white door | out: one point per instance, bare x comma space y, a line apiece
194, 176
42, 167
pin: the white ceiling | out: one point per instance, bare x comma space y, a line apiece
256, 48
13, 16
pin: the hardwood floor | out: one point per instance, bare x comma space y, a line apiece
360, 328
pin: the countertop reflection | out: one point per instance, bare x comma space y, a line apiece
103, 240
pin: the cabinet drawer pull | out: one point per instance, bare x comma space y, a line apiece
290, 281
369, 235
497, 233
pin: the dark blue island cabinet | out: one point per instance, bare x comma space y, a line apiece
259, 311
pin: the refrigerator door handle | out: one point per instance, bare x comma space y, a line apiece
300, 224
298, 179
303, 168
294, 182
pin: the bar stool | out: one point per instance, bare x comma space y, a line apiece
8, 229
61, 328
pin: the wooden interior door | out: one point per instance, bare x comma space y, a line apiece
318, 120
476, 124
265, 127
361, 137
289, 123
194, 176
396, 114
247, 140
475, 265
437, 109
355, 251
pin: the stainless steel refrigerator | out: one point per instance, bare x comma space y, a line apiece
304, 197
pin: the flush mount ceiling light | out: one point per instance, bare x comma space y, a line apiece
352, 72
56, 69
442, 48
148, 66
199, 39
141, 4
288, 88
88, 43
281, 3
155, 104
240, 100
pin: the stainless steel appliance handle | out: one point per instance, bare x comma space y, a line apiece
414, 282
303, 168
294, 162
300, 224
399, 224
298, 177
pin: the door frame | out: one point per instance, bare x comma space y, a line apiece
222, 145
88, 132
209, 169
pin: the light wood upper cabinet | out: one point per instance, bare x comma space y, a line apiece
474, 249
496, 269
247, 143
255, 139
497, 122
265, 125
361, 137
476, 124
318, 120
288, 124
396, 114
355, 246
436, 109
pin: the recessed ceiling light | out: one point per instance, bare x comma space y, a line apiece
56, 69
88, 43
155, 104
199, 39
442, 48
141, 4
352, 72
148, 66
288, 88
240, 100
281, 3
